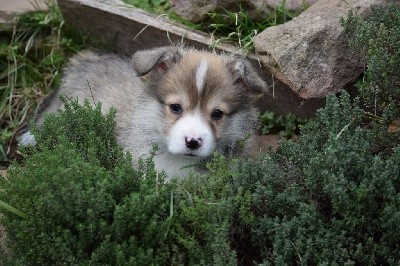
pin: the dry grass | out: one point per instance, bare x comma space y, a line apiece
32, 54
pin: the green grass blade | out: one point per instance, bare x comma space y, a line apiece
12, 209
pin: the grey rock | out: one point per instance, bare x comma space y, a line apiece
197, 10
310, 53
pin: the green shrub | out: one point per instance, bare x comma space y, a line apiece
326, 198
378, 41
91, 132
323, 199
85, 204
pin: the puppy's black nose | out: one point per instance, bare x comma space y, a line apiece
193, 143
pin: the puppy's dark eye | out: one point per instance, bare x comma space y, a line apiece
217, 115
175, 108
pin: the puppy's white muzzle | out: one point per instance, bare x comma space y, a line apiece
191, 136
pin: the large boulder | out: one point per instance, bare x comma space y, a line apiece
310, 53
197, 10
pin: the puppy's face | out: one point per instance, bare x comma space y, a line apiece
197, 95
204, 102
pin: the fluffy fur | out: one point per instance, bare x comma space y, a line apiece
189, 103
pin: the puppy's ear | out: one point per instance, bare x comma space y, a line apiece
161, 59
244, 74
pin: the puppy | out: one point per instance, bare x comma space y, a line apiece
189, 103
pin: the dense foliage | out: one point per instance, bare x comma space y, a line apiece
324, 198
338, 199
86, 204
378, 41
330, 197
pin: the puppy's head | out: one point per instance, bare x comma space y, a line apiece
207, 100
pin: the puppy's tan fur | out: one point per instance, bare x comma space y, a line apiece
143, 89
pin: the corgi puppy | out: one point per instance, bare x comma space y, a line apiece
189, 103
